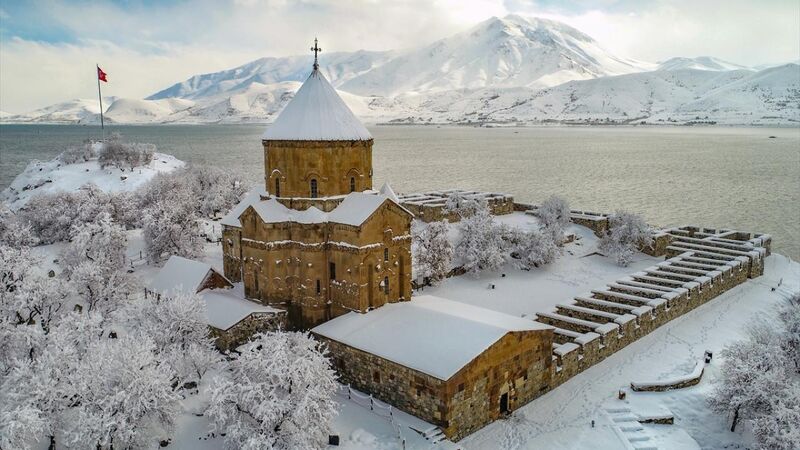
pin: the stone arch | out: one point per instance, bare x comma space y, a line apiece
353, 180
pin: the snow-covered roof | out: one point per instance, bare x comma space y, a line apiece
232, 218
180, 274
353, 210
317, 113
387, 191
224, 308
433, 335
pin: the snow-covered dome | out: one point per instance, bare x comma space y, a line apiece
317, 113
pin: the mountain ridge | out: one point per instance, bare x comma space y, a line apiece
459, 79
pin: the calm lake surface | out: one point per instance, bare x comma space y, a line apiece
715, 177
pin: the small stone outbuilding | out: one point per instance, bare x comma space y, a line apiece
454, 365
232, 319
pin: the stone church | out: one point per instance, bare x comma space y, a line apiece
318, 241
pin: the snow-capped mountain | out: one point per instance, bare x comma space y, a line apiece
510, 52
338, 68
514, 69
71, 111
700, 63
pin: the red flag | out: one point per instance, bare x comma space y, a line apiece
101, 75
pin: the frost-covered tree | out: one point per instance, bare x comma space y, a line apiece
101, 242
77, 153
627, 233
100, 289
760, 383
535, 248
554, 216
208, 190
481, 244
13, 231
178, 327
39, 389
431, 249
171, 228
52, 216
122, 396
465, 205
278, 394
124, 155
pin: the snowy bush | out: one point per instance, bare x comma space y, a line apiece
554, 216
278, 394
431, 250
627, 233
481, 246
124, 155
171, 228
760, 381
77, 154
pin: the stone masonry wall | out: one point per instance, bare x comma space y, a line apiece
229, 339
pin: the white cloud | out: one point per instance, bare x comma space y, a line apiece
145, 49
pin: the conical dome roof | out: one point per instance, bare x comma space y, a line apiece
316, 113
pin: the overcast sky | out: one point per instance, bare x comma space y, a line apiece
48, 48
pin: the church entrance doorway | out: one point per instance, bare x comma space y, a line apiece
504, 404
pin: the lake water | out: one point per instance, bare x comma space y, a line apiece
715, 177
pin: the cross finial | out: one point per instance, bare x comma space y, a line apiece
316, 50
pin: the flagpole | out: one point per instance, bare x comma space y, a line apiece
100, 97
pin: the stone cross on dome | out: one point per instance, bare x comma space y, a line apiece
316, 50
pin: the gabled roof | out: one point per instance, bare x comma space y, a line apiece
181, 275
232, 218
354, 210
224, 308
317, 113
387, 191
433, 335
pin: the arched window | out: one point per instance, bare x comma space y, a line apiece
314, 191
277, 187
352, 184
386, 254
386, 285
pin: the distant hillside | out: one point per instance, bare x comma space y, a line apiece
503, 70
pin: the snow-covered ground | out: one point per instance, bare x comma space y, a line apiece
519, 292
54, 176
562, 418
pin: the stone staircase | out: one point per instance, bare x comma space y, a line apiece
629, 428
434, 434
700, 265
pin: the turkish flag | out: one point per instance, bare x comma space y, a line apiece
101, 75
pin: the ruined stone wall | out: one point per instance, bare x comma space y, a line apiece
332, 163
596, 346
436, 212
